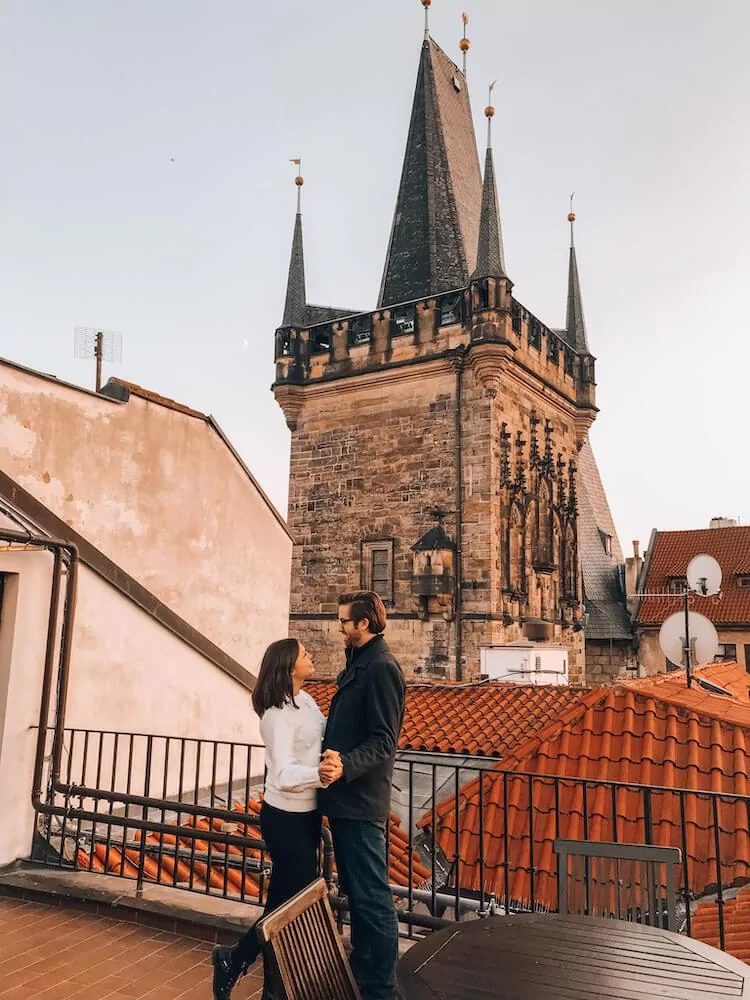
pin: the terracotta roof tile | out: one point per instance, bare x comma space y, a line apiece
670, 554
484, 719
622, 734
705, 925
220, 876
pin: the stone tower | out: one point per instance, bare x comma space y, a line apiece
436, 440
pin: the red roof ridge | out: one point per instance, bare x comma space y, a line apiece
154, 397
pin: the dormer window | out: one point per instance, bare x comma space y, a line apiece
676, 584
743, 580
606, 542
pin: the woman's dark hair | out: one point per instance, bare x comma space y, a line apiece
366, 604
273, 689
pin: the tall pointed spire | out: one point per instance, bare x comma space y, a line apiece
490, 252
436, 223
295, 305
575, 325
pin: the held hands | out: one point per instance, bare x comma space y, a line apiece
330, 768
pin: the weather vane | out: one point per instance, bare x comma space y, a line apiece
571, 217
489, 112
298, 180
465, 43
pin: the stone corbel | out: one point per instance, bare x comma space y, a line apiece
489, 362
291, 399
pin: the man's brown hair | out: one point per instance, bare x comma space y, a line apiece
366, 604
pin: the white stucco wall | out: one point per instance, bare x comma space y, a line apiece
128, 674
159, 492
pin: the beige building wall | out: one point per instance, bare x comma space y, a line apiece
158, 490
129, 674
652, 661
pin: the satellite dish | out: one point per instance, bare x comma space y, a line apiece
704, 640
704, 576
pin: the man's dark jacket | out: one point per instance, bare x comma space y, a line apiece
364, 722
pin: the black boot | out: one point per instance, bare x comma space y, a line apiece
228, 968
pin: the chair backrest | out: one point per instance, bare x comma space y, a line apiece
304, 949
626, 881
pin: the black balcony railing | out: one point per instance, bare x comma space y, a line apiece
465, 835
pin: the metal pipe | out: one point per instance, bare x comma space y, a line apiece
458, 363
49, 666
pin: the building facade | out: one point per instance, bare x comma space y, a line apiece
664, 572
436, 440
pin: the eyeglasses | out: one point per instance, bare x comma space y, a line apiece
343, 621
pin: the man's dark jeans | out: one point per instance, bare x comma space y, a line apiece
359, 846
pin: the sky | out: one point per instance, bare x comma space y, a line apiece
146, 188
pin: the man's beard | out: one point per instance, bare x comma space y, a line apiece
347, 642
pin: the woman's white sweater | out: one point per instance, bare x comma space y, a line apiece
293, 737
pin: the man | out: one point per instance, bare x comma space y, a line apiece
359, 750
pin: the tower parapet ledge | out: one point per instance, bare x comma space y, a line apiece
485, 313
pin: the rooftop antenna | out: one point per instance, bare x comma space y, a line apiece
465, 43
426, 5
103, 345
687, 638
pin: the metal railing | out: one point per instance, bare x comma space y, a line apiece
466, 836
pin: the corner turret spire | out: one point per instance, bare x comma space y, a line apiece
575, 326
295, 305
490, 252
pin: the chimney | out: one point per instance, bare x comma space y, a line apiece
723, 522
633, 566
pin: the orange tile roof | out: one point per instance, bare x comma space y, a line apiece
732, 677
670, 554
626, 734
485, 719
110, 858
736, 915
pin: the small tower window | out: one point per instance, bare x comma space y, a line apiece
377, 568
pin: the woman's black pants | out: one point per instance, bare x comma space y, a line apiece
293, 842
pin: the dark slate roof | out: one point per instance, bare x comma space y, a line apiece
603, 593
436, 222
435, 538
326, 314
490, 252
294, 306
575, 332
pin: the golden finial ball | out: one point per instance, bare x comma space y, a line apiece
464, 45
298, 181
571, 216
489, 111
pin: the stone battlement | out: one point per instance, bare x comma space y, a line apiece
431, 327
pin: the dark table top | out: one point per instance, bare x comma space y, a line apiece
546, 956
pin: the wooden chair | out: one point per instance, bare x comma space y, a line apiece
623, 881
304, 951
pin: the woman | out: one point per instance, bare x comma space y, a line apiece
292, 726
